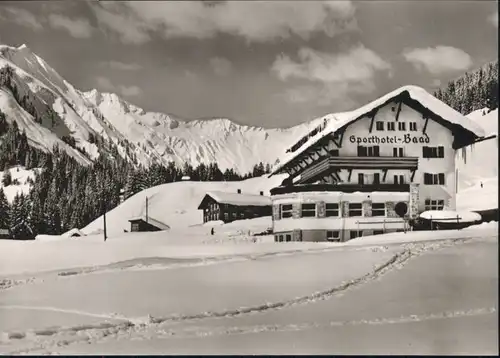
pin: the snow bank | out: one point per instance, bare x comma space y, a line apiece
51, 253
477, 198
479, 162
175, 204
444, 215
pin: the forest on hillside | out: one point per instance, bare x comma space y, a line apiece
472, 91
66, 194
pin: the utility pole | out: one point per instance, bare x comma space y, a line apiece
105, 234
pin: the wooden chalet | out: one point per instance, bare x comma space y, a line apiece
227, 207
147, 223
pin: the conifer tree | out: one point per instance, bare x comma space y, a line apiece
4, 211
7, 177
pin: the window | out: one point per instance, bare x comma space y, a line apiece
434, 204
379, 125
135, 227
308, 210
280, 238
355, 209
378, 232
433, 152
399, 179
391, 126
434, 179
333, 236
332, 210
376, 178
398, 152
401, 126
368, 151
413, 126
361, 179
286, 211
226, 216
288, 238
354, 234
378, 209
334, 152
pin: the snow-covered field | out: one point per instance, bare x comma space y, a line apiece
21, 175
479, 162
160, 292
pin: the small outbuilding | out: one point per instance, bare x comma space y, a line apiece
227, 207
4, 234
143, 223
73, 233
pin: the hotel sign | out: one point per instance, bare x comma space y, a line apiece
376, 139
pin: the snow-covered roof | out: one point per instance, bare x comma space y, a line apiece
336, 121
237, 199
73, 232
151, 221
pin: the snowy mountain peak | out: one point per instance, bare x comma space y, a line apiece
50, 109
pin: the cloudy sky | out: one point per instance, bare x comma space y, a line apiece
271, 64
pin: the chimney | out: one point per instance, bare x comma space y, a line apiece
239, 191
261, 193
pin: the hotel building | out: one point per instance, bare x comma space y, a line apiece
369, 171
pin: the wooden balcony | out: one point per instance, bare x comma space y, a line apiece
345, 188
330, 164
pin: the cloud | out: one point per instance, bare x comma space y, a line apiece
493, 19
121, 66
79, 28
21, 17
105, 83
331, 77
358, 64
133, 21
439, 59
129, 91
221, 66
128, 28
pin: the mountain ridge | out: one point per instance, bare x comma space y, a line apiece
140, 136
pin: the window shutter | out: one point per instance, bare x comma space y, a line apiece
367, 208
390, 209
376, 151
426, 178
276, 212
440, 152
425, 151
345, 209
441, 178
296, 210
321, 207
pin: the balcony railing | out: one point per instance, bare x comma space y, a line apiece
344, 162
345, 188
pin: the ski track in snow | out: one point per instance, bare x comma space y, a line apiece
141, 327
